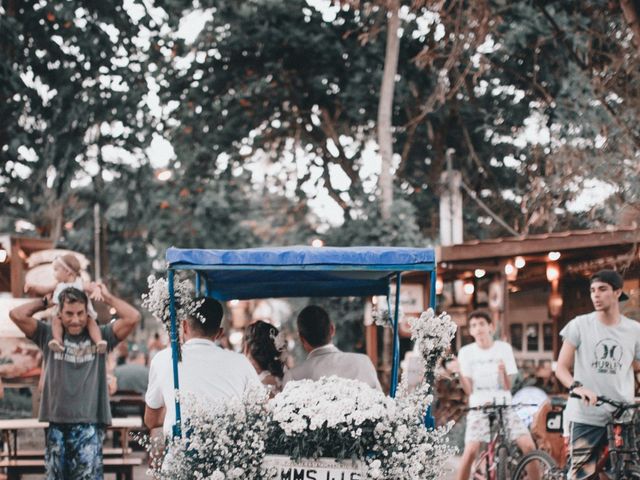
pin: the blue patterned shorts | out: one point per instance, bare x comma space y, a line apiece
74, 451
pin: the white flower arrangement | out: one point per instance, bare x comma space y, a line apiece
156, 301
383, 318
333, 417
336, 417
222, 440
280, 343
433, 335
404, 448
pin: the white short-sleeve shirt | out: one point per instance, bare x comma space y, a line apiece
481, 366
206, 370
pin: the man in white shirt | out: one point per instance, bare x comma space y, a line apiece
206, 370
324, 359
487, 368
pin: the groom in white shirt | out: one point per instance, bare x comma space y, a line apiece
206, 370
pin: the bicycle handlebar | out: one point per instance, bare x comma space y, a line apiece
620, 406
499, 406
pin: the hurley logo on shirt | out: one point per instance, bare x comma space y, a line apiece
608, 354
77, 352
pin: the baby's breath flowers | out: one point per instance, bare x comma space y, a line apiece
433, 335
332, 417
222, 441
156, 301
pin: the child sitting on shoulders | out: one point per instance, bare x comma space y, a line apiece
66, 271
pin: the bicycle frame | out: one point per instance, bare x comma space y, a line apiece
497, 440
488, 458
621, 448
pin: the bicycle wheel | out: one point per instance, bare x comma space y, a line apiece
537, 465
503, 463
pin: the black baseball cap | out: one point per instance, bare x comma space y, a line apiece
611, 277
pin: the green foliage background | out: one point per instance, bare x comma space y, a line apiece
273, 99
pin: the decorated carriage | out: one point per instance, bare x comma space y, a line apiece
331, 429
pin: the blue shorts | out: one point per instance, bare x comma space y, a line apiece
586, 443
74, 451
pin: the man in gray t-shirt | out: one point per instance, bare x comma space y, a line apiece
74, 398
602, 348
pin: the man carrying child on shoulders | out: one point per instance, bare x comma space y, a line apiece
74, 397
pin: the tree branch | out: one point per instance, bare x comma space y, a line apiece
562, 36
328, 127
333, 193
486, 208
472, 150
601, 96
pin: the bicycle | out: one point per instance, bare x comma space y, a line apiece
621, 448
498, 459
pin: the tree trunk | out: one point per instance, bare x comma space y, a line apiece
385, 109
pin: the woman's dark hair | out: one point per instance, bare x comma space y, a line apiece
259, 338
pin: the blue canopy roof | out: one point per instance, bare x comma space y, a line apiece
300, 271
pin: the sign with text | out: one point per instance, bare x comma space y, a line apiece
411, 298
280, 467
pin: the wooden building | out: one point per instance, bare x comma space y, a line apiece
534, 285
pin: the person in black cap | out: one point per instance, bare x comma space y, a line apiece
602, 348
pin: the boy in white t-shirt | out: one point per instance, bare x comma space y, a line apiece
487, 367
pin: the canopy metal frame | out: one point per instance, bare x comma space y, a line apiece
396, 270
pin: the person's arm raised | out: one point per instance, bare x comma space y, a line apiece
128, 316
22, 316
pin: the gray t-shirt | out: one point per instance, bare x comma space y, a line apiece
603, 363
133, 377
75, 383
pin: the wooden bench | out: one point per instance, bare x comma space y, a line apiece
122, 467
106, 452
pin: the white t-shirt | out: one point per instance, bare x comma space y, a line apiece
206, 370
481, 366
